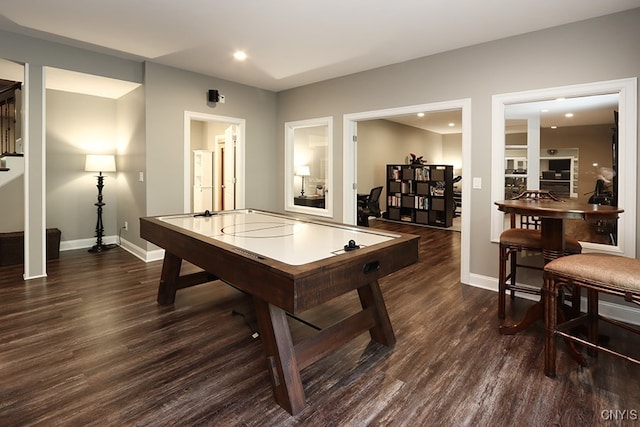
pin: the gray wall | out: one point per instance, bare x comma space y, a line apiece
12, 206
131, 147
169, 93
78, 125
452, 153
148, 126
595, 50
382, 142
38, 54
24, 49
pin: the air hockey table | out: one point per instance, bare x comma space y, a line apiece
287, 265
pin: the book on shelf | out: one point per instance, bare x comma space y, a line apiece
395, 173
422, 174
438, 189
422, 202
419, 193
394, 200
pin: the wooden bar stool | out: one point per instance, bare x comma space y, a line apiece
598, 273
525, 238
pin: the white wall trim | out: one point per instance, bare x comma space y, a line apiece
137, 251
240, 154
40, 270
141, 253
70, 245
627, 167
289, 161
155, 255
26, 148
615, 311
349, 175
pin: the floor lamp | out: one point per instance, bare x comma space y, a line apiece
100, 163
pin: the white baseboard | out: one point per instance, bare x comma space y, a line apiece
153, 255
618, 312
70, 245
137, 251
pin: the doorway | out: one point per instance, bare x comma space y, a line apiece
214, 162
350, 169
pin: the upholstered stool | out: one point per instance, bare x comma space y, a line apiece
512, 242
598, 273
527, 238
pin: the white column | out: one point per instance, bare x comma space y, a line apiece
34, 175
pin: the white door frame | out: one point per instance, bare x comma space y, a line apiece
240, 156
349, 175
627, 154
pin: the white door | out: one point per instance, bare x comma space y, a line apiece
202, 180
228, 136
229, 169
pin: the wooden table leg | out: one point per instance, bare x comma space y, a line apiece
169, 279
371, 296
533, 313
284, 359
284, 372
553, 238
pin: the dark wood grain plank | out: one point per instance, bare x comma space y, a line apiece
88, 345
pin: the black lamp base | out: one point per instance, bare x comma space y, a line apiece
102, 248
99, 246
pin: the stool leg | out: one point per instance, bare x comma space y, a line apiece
575, 300
502, 277
513, 257
592, 310
550, 296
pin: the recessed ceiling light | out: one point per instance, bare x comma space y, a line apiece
451, 124
240, 55
569, 115
544, 110
420, 114
554, 127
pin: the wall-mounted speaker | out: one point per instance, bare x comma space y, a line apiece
214, 96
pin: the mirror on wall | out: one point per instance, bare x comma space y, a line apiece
576, 142
308, 153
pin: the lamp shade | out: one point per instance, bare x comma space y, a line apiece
100, 163
303, 171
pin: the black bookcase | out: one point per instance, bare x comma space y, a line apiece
420, 194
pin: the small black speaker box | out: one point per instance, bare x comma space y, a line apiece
214, 96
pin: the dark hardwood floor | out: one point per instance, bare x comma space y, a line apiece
89, 346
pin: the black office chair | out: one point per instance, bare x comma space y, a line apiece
368, 205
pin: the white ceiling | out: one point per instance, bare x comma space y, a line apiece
289, 42
587, 110
442, 122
